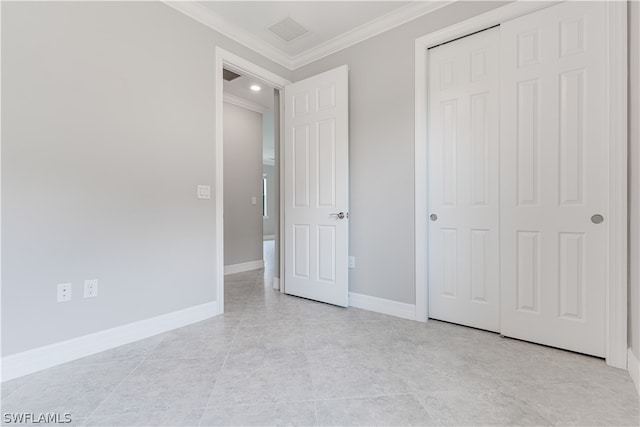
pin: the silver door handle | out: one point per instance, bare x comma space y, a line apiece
340, 215
433, 217
597, 219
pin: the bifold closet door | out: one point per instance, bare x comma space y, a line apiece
554, 176
463, 181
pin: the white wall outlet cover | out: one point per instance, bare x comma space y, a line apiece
352, 262
91, 288
204, 192
254, 200
64, 292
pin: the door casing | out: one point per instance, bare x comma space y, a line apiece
236, 63
616, 286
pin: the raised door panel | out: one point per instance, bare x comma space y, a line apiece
572, 136
326, 167
480, 148
528, 142
528, 271
480, 269
449, 115
301, 251
301, 164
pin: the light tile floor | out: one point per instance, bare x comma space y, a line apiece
273, 359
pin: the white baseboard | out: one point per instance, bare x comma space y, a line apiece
269, 237
27, 362
244, 266
384, 306
634, 369
276, 283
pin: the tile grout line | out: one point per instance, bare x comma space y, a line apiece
424, 406
364, 396
315, 410
527, 403
116, 388
329, 399
13, 392
235, 335
306, 355
144, 359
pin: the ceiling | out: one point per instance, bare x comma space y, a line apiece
324, 20
330, 25
241, 88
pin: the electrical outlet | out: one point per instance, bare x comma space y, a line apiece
254, 200
91, 288
64, 292
352, 262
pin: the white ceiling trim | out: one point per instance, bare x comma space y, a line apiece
244, 103
366, 31
384, 23
212, 20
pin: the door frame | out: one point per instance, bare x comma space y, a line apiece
616, 286
224, 58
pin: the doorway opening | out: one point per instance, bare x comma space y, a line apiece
238, 181
250, 195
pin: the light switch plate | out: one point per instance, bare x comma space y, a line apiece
204, 191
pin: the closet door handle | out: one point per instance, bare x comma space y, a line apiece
433, 217
597, 219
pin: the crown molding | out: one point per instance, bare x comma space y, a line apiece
395, 18
244, 103
371, 29
204, 15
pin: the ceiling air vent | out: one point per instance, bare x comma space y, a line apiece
229, 75
288, 29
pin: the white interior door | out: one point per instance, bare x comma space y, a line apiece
316, 174
463, 181
555, 176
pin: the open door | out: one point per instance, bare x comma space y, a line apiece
316, 190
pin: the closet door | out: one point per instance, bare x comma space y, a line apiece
463, 181
554, 177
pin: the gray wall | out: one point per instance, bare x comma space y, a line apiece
381, 151
107, 114
272, 209
242, 181
268, 136
634, 177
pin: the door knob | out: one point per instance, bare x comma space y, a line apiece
597, 219
433, 217
340, 215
